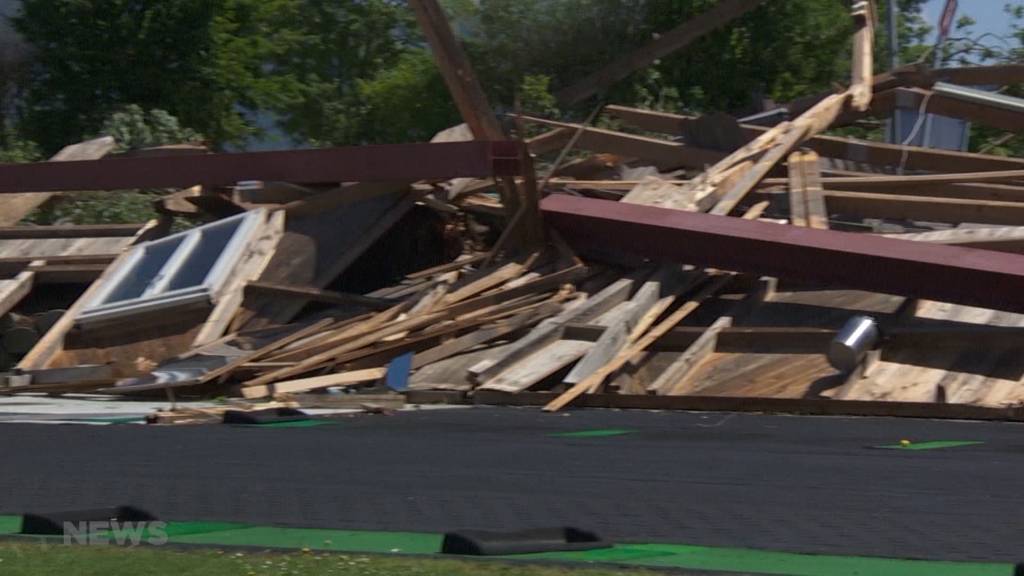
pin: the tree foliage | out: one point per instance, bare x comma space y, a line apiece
214, 64
134, 128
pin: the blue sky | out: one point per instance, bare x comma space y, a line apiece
988, 13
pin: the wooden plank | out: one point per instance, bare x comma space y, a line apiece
551, 329
247, 267
305, 384
675, 378
311, 294
50, 344
664, 44
642, 344
471, 340
471, 102
632, 320
861, 151
67, 273
862, 70
491, 279
954, 210
814, 194
1002, 239
657, 192
815, 120
14, 290
797, 190
361, 340
17, 206
538, 366
69, 230
458, 75
665, 154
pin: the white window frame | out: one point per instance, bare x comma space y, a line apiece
157, 294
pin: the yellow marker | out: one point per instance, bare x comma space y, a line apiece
904, 443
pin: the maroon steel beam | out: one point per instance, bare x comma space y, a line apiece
915, 269
397, 162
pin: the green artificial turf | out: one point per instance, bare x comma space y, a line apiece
673, 556
598, 433
935, 445
10, 524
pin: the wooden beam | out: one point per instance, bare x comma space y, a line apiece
550, 330
17, 206
864, 15
349, 378
797, 195
664, 44
309, 293
462, 82
14, 290
810, 123
676, 374
861, 151
69, 230
813, 211
476, 112
667, 155
1000, 239
954, 210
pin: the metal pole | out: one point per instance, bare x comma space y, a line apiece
894, 45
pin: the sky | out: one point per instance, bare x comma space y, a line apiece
988, 14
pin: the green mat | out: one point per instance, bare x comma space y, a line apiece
10, 525
935, 445
679, 556
765, 562
599, 433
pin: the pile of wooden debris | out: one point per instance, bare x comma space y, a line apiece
725, 264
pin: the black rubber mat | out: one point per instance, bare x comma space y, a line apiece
804, 484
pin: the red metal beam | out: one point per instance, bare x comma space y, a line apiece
916, 269
397, 162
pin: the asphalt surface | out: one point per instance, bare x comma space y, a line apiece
800, 484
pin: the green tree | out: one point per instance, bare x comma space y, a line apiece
215, 64
134, 128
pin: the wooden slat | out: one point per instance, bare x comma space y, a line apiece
642, 344
304, 384
862, 81
14, 290
797, 190
862, 151
317, 295
69, 230
667, 155
955, 210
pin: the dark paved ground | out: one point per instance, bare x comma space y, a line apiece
789, 483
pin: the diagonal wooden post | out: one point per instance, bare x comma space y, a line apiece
471, 101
